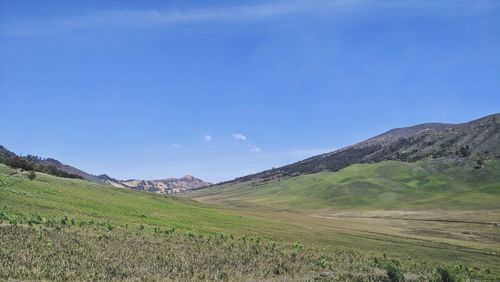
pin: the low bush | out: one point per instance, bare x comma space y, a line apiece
393, 271
445, 275
31, 175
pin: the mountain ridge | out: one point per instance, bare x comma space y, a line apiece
474, 139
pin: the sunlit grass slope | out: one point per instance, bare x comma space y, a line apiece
436, 184
53, 197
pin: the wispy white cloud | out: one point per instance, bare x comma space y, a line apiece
208, 138
239, 137
243, 140
155, 17
254, 148
175, 145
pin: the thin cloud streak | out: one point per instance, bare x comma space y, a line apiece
254, 149
239, 137
154, 17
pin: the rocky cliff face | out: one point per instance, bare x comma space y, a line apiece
160, 186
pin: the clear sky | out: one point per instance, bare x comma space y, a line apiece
219, 89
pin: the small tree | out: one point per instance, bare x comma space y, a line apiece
464, 151
31, 175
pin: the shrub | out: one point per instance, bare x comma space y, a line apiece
64, 220
323, 263
31, 175
445, 275
463, 151
394, 272
297, 246
17, 162
169, 231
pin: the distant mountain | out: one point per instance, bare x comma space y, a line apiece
161, 186
477, 140
57, 168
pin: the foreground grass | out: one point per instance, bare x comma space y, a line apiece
89, 252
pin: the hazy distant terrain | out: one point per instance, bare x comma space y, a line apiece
160, 186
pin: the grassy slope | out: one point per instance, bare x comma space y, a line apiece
443, 184
50, 196
378, 203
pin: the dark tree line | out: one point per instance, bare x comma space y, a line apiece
33, 163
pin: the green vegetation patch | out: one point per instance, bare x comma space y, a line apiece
439, 183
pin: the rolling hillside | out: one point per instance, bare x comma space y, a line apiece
50, 196
445, 183
478, 139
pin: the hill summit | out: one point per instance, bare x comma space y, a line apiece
478, 140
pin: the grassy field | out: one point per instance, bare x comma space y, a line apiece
449, 208
56, 228
436, 184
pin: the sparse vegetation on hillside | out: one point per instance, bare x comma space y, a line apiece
475, 139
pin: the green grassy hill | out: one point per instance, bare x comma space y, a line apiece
434, 184
54, 198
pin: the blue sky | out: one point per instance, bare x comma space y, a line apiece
219, 89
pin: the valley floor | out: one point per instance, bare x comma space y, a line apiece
438, 236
